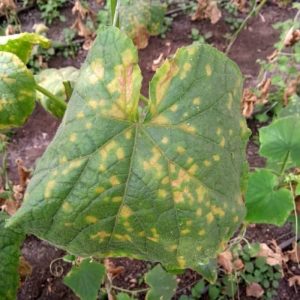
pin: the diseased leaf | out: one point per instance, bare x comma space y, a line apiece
22, 44
52, 80
140, 19
10, 243
165, 188
17, 91
265, 202
85, 280
162, 284
280, 142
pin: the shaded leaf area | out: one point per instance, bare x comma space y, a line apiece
292, 109
162, 188
85, 280
162, 284
21, 44
10, 243
17, 91
141, 19
53, 80
265, 202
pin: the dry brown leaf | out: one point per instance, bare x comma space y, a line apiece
78, 8
207, 9
249, 100
225, 261
292, 37
254, 290
240, 4
141, 37
294, 254
290, 90
23, 173
25, 269
273, 257
6, 5
238, 264
10, 206
81, 29
294, 280
111, 270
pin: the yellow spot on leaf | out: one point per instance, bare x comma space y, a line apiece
100, 235
219, 131
209, 217
114, 180
126, 212
88, 125
207, 163
93, 104
181, 262
208, 70
186, 68
49, 188
100, 189
193, 169
216, 157
235, 219
217, 211
199, 212
165, 180
91, 219
97, 68
160, 120
187, 128
73, 137
185, 231
67, 207
180, 150
198, 248
162, 193
174, 108
80, 115
127, 57
102, 167
116, 199
197, 101
128, 135
165, 140
120, 153
222, 143
201, 232
62, 160
230, 100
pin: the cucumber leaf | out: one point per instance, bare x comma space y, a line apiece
17, 91
165, 186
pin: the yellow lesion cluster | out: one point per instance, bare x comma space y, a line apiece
72, 166
154, 163
49, 188
154, 237
96, 71
185, 70
101, 235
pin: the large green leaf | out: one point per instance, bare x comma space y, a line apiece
265, 202
17, 91
280, 142
52, 80
10, 243
22, 44
140, 19
85, 280
163, 188
162, 284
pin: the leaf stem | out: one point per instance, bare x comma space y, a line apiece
58, 101
296, 222
130, 291
114, 10
144, 99
254, 11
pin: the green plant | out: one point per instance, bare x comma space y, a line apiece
196, 36
106, 153
50, 10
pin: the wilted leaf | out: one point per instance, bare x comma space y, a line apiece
10, 243
162, 284
85, 280
265, 202
280, 142
207, 9
225, 261
52, 80
294, 280
140, 19
22, 44
254, 290
165, 188
17, 91
272, 257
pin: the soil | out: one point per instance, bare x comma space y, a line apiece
30, 141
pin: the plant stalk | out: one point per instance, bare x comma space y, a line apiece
58, 101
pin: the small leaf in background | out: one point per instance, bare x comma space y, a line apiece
123, 296
85, 280
264, 202
280, 142
292, 109
22, 44
140, 19
162, 284
52, 80
17, 91
213, 292
10, 243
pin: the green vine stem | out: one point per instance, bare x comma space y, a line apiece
253, 12
144, 99
114, 10
58, 101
